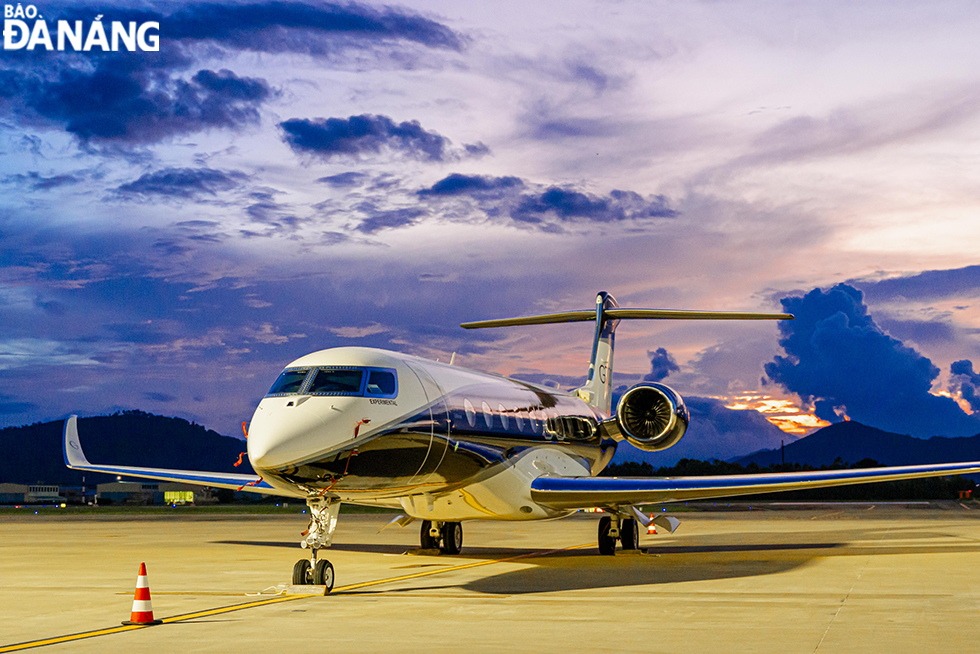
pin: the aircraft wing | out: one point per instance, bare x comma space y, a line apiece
75, 459
585, 492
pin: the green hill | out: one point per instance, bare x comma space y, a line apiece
33, 453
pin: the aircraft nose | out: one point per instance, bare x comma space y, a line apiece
281, 436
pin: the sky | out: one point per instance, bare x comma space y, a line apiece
277, 178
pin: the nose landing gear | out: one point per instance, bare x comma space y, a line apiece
446, 536
323, 522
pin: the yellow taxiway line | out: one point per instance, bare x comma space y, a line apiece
277, 599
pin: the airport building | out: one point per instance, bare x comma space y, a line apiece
142, 493
13, 493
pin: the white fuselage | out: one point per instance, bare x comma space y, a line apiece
445, 443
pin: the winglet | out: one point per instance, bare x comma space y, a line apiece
72, 448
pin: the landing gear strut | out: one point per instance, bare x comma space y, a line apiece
323, 522
447, 536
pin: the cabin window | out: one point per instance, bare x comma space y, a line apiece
519, 421
290, 381
488, 415
470, 412
503, 415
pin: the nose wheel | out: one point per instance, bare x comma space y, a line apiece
323, 522
319, 573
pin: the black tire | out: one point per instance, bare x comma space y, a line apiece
607, 544
452, 537
427, 541
629, 534
323, 575
301, 573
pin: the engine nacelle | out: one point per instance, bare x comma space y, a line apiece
652, 416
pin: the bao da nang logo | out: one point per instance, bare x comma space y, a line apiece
25, 29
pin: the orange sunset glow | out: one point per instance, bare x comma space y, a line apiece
782, 412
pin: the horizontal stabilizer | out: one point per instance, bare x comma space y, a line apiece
624, 314
610, 492
76, 460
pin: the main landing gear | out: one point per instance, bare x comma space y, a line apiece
446, 536
323, 522
613, 528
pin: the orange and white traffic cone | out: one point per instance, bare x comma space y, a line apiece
142, 608
651, 528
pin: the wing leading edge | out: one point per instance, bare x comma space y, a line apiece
75, 459
584, 492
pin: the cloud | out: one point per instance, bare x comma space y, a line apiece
661, 365
37, 182
841, 361
478, 149
923, 332
365, 134
560, 128
315, 29
378, 220
159, 397
114, 104
925, 286
570, 206
128, 100
182, 183
10, 406
475, 185
968, 381
344, 180
546, 209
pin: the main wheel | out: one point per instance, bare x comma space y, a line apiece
323, 575
301, 573
629, 534
452, 537
607, 544
427, 541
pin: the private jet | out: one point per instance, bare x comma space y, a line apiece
444, 444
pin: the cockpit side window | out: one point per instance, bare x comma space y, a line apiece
336, 382
381, 382
289, 382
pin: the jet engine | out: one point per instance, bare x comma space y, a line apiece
652, 416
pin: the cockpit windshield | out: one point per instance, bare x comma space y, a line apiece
290, 381
337, 380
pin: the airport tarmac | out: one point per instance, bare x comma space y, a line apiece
826, 579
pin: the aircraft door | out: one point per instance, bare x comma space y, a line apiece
437, 432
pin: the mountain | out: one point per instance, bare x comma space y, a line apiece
852, 441
33, 453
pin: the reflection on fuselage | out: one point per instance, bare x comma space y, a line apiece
448, 443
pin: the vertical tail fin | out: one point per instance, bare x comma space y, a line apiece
598, 388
